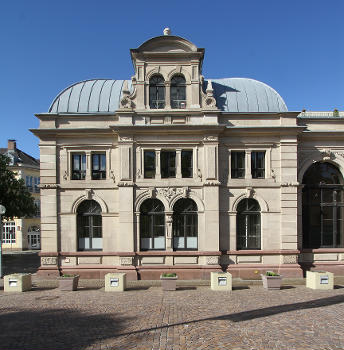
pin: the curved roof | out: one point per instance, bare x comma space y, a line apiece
246, 95
232, 95
98, 95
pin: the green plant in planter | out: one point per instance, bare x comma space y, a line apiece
271, 273
168, 275
65, 275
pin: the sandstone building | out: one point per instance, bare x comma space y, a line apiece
173, 171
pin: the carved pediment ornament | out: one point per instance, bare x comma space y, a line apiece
171, 192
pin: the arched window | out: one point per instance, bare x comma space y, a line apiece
152, 225
178, 92
89, 226
322, 206
185, 225
156, 92
248, 224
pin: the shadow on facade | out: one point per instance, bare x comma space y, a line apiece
63, 329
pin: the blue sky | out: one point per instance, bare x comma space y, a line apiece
296, 46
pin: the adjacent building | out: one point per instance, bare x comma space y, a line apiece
23, 233
173, 171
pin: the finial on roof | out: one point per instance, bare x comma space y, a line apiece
210, 89
167, 31
125, 89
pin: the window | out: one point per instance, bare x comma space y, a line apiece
178, 92
9, 232
37, 181
248, 224
78, 166
28, 182
98, 166
157, 92
238, 164
152, 225
34, 237
89, 226
187, 163
258, 164
323, 207
184, 226
168, 164
149, 164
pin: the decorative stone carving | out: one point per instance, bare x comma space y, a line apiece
210, 138
112, 175
48, 260
212, 183
250, 192
88, 193
65, 175
125, 184
327, 154
125, 139
169, 192
212, 260
126, 101
289, 259
199, 174
273, 175
125, 261
290, 184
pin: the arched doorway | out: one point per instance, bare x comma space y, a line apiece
322, 206
152, 225
185, 225
248, 224
89, 226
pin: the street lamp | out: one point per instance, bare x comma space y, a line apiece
2, 212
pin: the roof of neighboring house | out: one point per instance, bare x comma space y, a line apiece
18, 157
232, 95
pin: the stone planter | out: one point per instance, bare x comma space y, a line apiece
68, 283
168, 283
272, 282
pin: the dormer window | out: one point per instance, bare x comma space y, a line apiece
157, 92
178, 92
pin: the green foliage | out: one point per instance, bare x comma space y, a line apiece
271, 273
14, 195
65, 275
171, 274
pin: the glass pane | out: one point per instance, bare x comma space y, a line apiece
168, 164
159, 243
97, 243
95, 162
237, 164
84, 243
322, 173
146, 243
149, 164
186, 164
178, 242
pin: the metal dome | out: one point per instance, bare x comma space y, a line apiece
246, 95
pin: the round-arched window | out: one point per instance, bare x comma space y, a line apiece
185, 225
152, 225
322, 206
89, 226
178, 91
156, 92
248, 224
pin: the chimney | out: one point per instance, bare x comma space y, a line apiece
11, 145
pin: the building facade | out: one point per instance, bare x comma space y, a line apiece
170, 171
23, 233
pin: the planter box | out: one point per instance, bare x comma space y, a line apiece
17, 282
68, 283
272, 282
319, 280
168, 283
115, 282
221, 281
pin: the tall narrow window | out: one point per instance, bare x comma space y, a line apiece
168, 164
78, 166
237, 164
157, 92
89, 226
98, 166
258, 164
152, 225
187, 163
185, 225
149, 164
248, 224
323, 207
178, 92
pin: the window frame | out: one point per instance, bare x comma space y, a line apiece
155, 90
167, 173
188, 168
235, 169
146, 168
255, 169
178, 89
9, 232
82, 172
101, 158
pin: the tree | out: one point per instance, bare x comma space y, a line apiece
14, 195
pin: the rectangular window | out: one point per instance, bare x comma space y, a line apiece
258, 164
168, 164
149, 164
98, 166
238, 165
78, 166
186, 163
9, 232
36, 184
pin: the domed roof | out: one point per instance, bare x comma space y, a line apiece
89, 96
232, 95
246, 95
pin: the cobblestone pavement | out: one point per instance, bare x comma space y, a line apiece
189, 318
